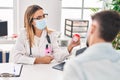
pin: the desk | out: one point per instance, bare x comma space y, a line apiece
38, 72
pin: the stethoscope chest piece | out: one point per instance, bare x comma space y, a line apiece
48, 50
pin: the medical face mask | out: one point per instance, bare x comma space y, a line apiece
40, 24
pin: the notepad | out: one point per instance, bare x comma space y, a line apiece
10, 70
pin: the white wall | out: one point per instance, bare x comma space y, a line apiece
52, 7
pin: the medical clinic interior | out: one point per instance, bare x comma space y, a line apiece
59, 40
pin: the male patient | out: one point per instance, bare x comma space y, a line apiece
100, 61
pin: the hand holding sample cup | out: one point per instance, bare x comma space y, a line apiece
75, 42
76, 37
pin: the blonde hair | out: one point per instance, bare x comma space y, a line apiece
28, 18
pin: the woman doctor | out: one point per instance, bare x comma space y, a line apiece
37, 44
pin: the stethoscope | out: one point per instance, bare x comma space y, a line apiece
48, 48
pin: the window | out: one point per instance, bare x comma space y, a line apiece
6, 14
78, 9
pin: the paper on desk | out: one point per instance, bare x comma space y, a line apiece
10, 68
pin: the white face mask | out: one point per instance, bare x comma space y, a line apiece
41, 24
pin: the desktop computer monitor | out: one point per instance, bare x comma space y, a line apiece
3, 28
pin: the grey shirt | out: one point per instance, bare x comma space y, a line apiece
98, 62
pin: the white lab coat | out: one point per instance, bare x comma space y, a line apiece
98, 62
21, 51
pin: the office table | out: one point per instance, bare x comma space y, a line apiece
38, 72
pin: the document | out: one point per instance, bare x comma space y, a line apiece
10, 70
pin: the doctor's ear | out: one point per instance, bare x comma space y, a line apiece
33, 22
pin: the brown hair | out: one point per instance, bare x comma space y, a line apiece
28, 18
109, 22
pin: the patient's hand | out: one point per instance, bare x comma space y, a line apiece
43, 60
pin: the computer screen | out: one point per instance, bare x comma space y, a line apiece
3, 28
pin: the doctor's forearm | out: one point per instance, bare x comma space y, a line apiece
43, 60
39, 60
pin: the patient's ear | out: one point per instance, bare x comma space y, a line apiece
93, 29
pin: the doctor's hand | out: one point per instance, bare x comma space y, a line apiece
43, 60
73, 44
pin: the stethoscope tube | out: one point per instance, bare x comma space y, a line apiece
48, 40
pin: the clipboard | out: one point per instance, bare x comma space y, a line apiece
10, 70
